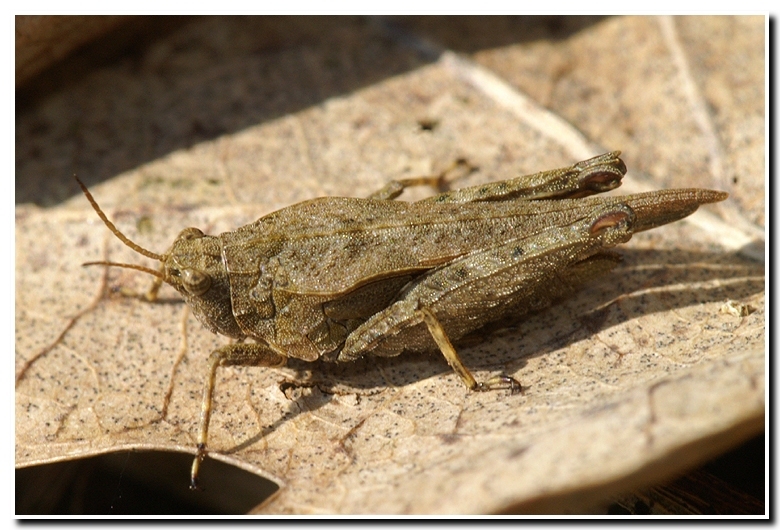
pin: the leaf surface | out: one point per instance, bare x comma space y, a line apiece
634, 379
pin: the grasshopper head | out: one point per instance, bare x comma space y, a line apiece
193, 266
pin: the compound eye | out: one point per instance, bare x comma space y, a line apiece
190, 233
195, 281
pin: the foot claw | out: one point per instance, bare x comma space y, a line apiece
199, 457
500, 382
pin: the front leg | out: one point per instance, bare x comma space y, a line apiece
230, 355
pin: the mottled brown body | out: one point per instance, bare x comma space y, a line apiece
342, 278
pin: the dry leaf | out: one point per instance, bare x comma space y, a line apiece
635, 379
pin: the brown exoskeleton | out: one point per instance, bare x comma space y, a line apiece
341, 278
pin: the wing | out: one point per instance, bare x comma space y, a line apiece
330, 246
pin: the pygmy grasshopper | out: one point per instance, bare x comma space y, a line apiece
341, 278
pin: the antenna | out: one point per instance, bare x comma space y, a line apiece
115, 231
122, 238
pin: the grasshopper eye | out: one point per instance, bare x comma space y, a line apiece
190, 233
195, 281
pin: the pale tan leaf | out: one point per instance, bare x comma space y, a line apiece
634, 379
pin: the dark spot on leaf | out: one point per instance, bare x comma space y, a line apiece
427, 124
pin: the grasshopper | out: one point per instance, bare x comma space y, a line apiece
340, 278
